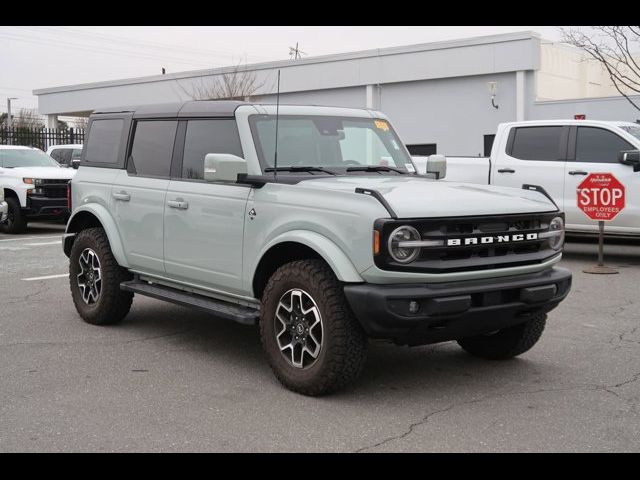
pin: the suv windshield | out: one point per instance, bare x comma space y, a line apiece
632, 129
339, 145
10, 158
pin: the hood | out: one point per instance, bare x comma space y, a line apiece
416, 197
54, 173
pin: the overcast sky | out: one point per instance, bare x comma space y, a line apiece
41, 56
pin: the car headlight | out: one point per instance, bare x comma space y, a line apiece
32, 181
401, 244
555, 234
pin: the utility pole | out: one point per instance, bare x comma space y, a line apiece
295, 53
10, 136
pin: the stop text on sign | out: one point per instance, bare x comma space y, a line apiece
601, 196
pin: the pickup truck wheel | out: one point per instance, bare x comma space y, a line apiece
94, 277
508, 342
15, 222
312, 341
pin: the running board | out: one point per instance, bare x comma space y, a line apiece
229, 311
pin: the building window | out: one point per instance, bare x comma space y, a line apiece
424, 149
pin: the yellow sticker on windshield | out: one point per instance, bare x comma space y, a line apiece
382, 125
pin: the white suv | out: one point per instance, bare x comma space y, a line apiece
34, 187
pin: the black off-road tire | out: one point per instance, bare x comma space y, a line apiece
113, 304
508, 342
15, 222
344, 343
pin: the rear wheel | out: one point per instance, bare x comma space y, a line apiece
312, 341
95, 277
15, 222
508, 342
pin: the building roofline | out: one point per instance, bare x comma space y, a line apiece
378, 52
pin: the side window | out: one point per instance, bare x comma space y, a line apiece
57, 155
152, 148
103, 144
208, 136
425, 149
598, 145
66, 156
537, 143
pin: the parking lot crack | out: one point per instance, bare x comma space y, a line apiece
424, 420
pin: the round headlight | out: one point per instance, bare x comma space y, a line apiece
556, 233
403, 253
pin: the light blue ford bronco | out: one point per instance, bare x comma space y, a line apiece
313, 223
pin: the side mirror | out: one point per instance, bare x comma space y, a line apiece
437, 164
223, 167
75, 164
630, 157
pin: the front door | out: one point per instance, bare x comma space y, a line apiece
534, 155
596, 151
204, 221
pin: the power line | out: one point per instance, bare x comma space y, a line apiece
101, 37
95, 49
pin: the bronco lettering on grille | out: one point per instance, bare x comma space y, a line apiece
517, 237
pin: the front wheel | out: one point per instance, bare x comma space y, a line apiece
95, 277
312, 341
508, 342
15, 222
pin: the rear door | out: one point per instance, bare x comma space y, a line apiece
533, 155
204, 221
138, 193
595, 150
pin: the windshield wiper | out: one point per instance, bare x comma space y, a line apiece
374, 168
297, 168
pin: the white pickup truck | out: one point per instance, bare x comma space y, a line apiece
557, 155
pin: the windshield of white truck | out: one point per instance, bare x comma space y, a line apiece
329, 145
632, 129
10, 158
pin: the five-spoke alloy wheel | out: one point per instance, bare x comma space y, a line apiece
90, 276
299, 327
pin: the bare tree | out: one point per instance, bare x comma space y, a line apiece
238, 84
28, 118
613, 48
81, 123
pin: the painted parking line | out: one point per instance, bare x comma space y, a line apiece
31, 238
46, 277
57, 242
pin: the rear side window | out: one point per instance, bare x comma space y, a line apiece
103, 144
537, 143
208, 136
598, 145
152, 148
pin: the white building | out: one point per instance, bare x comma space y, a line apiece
438, 95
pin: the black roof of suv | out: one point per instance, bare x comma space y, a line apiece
193, 108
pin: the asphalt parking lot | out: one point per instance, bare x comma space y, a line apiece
171, 379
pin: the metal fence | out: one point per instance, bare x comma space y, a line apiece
41, 138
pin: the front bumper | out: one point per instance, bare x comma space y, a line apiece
44, 207
448, 311
4, 210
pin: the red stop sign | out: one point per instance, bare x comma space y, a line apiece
601, 196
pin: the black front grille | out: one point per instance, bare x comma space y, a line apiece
473, 243
54, 188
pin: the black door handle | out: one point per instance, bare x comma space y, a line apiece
506, 170
578, 172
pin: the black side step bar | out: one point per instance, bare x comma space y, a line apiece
229, 311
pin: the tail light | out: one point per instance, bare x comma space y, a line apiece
69, 195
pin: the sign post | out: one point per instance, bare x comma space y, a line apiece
601, 197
